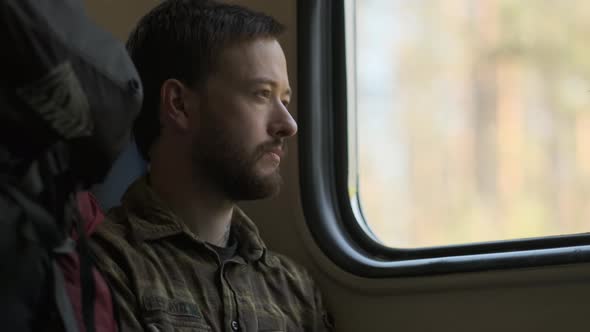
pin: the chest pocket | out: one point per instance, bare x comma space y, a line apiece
164, 315
169, 323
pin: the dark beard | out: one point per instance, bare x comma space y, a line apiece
232, 168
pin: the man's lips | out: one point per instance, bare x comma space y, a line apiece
275, 151
278, 152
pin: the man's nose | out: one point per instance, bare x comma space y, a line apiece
282, 125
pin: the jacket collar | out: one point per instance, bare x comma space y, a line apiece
151, 219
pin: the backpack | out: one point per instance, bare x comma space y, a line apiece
68, 96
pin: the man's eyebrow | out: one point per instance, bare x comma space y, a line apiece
263, 80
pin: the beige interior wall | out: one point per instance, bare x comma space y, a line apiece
538, 299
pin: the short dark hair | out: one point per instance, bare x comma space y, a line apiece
182, 39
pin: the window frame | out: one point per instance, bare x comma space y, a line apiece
332, 216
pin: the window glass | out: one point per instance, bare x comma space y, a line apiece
471, 119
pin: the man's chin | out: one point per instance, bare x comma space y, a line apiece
261, 187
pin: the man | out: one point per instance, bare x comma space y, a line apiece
178, 253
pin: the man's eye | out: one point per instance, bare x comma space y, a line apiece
263, 93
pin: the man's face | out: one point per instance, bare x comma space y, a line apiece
243, 120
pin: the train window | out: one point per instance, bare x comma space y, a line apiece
472, 118
440, 136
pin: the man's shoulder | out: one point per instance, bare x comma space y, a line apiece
115, 225
113, 239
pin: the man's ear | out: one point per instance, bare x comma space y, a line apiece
176, 101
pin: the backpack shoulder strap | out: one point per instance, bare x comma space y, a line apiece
62, 300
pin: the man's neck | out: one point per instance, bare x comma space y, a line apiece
204, 211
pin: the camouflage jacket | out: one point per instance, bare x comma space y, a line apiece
164, 278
